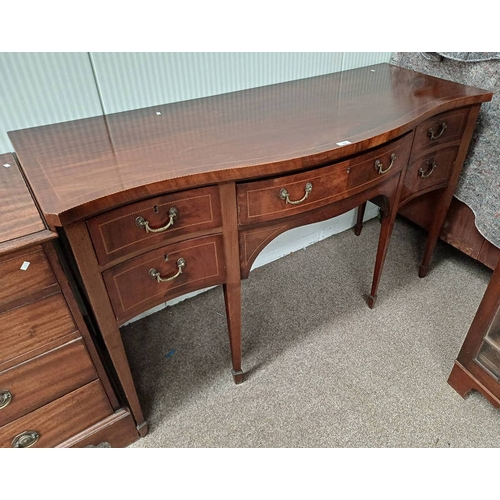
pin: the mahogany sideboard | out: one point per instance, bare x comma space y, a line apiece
54, 390
157, 202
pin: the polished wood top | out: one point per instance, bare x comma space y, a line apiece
84, 167
20, 221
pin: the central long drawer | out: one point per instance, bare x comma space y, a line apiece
270, 199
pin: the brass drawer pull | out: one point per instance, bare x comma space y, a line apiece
143, 223
5, 399
155, 274
285, 196
433, 137
425, 173
379, 167
26, 439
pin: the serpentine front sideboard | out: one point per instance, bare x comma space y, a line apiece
157, 202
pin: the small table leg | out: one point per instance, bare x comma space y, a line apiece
359, 221
232, 297
383, 244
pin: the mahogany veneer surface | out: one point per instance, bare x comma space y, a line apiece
84, 167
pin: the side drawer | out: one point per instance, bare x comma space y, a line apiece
44, 378
438, 130
33, 326
164, 273
127, 229
25, 273
57, 421
430, 171
289, 195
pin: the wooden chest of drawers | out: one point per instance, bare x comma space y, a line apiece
54, 390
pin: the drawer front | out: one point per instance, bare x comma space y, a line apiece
294, 194
25, 273
44, 378
430, 171
34, 325
57, 421
134, 286
440, 129
128, 229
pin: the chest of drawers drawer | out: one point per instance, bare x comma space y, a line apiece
54, 388
439, 130
136, 226
23, 274
164, 273
44, 378
271, 199
33, 326
57, 421
430, 171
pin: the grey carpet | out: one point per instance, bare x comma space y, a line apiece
323, 370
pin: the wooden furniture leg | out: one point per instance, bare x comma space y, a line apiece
388, 219
359, 221
232, 287
232, 297
86, 261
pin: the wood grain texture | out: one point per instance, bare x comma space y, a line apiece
115, 233
260, 201
84, 167
57, 261
132, 290
56, 422
18, 213
429, 172
117, 430
254, 238
32, 326
24, 274
86, 261
459, 228
454, 122
45, 378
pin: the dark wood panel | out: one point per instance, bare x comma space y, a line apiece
18, 213
86, 166
429, 172
23, 274
132, 289
32, 326
489, 254
459, 229
62, 418
116, 233
260, 201
45, 378
117, 430
439, 130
